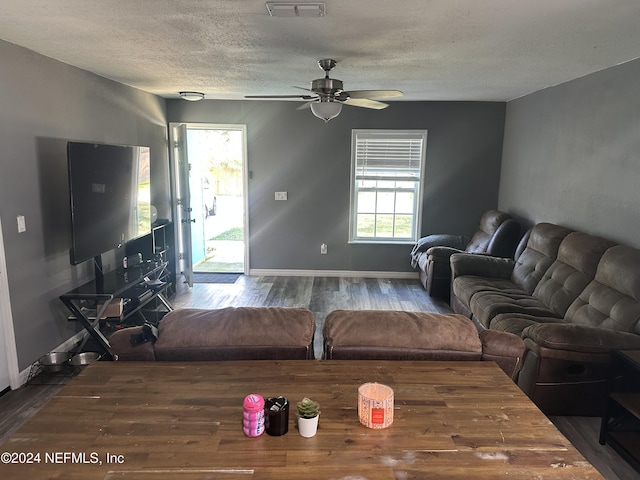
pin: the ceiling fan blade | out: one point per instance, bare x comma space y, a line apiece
366, 103
303, 88
303, 97
374, 93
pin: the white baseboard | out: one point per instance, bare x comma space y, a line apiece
65, 346
331, 273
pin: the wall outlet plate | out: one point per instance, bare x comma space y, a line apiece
281, 195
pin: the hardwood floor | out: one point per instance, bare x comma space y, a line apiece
583, 433
18, 406
321, 295
318, 294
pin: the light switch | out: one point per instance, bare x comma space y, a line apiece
22, 226
281, 195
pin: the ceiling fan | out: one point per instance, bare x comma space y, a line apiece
326, 95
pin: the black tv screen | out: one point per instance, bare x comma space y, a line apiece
110, 197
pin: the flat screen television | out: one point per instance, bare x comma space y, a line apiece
110, 197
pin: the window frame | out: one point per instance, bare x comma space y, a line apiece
418, 189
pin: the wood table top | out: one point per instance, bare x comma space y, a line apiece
157, 421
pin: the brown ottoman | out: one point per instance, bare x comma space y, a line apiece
234, 333
399, 335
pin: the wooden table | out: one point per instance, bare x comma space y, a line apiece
182, 421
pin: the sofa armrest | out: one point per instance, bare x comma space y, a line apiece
578, 338
441, 253
480, 265
124, 349
436, 240
443, 240
506, 349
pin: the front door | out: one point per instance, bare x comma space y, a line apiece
182, 208
210, 191
217, 186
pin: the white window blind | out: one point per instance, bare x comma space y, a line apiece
386, 187
389, 154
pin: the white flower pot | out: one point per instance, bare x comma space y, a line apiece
308, 426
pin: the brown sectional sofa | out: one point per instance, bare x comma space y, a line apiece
572, 297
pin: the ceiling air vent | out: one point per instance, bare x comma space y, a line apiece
278, 9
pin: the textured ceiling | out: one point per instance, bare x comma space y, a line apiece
430, 49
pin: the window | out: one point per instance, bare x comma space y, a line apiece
386, 187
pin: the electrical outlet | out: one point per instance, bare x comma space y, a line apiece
323, 249
281, 195
22, 226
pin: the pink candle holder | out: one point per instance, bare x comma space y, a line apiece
375, 405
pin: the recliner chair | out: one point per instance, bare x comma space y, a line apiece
497, 235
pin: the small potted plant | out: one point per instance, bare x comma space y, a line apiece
308, 412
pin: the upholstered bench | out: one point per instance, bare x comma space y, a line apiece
399, 335
234, 333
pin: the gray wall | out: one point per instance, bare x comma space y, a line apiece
293, 151
572, 155
44, 103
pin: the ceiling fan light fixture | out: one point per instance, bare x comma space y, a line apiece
191, 96
326, 110
280, 9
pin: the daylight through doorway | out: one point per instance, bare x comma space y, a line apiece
216, 180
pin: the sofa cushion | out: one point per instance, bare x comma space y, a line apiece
235, 333
612, 299
578, 258
486, 305
373, 334
516, 322
540, 252
467, 286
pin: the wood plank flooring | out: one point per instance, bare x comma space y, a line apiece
321, 295
18, 406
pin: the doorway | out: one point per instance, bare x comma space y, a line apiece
9, 371
215, 210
